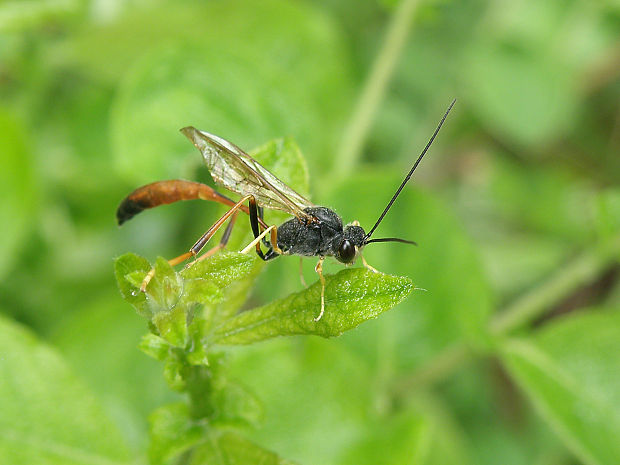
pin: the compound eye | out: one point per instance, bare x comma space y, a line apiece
346, 252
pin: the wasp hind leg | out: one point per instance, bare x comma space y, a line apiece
204, 239
222, 244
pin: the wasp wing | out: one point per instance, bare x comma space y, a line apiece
235, 170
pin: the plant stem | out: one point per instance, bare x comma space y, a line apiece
577, 273
580, 271
374, 89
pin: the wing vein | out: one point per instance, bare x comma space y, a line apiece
238, 172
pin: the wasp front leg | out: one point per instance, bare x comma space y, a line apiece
369, 267
319, 269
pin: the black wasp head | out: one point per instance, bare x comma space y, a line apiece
352, 240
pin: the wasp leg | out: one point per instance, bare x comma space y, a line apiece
367, 266
200, 243
274, 241
274, 251
223, 241
319, 269
261, 218
257, 239
274, 238
172, 262
255, 219
301, 272
270, 255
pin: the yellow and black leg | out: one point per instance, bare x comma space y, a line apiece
256, 220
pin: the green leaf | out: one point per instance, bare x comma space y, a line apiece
314, 391
521, 91
181, 307
173, 432
318, 391
99, 341
17, 189
129, 286
563, 203
172, 325
222, 269
173, 368
171, 298
47, 416
231, 273
231, 449
351, 297
163, 293
404, 439
458, 298
155, 346
236, 405
202, 80
165, 289
569, 370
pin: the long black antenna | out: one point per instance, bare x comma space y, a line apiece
391, 239
415, 165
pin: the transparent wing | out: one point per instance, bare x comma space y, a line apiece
235, 170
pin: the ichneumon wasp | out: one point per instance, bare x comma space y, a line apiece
313, 230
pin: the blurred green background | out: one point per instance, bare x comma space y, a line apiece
516, 210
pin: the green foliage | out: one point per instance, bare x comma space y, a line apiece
46, 414
181, 84
229, 448
351, 297
542, 100
440, 318
570, 371
16, 188
501, 355
190, 314
189, 318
